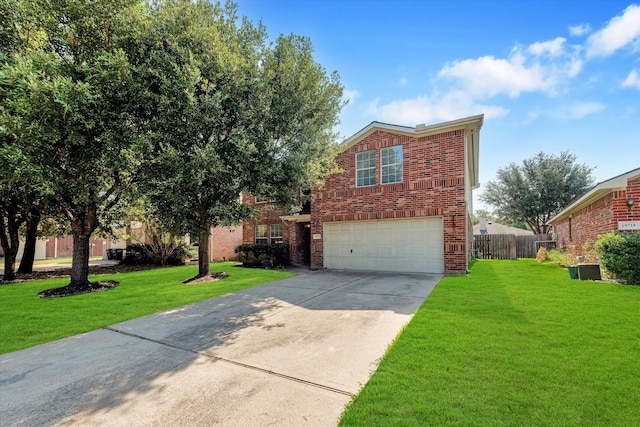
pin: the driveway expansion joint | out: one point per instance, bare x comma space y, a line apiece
233, 362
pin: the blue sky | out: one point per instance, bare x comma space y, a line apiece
549, 76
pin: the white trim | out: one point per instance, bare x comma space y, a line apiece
256, 201
420, 130
271, 233
392, 164
375, 165
596, 192
297, 218
471, 126
266, 233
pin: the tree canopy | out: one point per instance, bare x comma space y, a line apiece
23, 197
70, 108
174, 99
233, 114
538, 189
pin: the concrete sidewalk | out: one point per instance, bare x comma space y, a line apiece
291, 352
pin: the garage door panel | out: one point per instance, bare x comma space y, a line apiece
410, 245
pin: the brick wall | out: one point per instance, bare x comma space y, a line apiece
293, 233
298, 245
599, 217
62, 247
223, 242
433, 185
268, 214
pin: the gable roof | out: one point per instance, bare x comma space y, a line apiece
596, 192
490, 227
471, 125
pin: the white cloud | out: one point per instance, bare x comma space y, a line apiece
532, 116
471, 86
583, 109
488, 76
573, 111
580, 30
466, 87
429, 109
632, 80
541, 67
350, 96
621, 31
553, 48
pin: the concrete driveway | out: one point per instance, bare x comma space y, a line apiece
291, 352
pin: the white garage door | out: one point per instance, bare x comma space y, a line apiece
410, 245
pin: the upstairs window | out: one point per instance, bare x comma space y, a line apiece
261, 233
261, 199
276, 233
365, 168
391, 164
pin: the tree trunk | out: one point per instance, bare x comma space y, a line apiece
10, 243
204, 267
28, 256
80, 262
81, 231
9, 264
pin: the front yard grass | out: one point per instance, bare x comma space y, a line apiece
514, 343
27, 320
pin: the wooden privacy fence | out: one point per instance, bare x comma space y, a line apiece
509, 246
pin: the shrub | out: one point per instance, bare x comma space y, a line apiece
561, 257
542, 255
589, 252
263, 255
146, 254
620, 254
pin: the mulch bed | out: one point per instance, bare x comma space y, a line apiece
68, 290
86, 288
216, 275
66, 272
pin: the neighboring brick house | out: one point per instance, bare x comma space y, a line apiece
402, 202
223, 242
613, 204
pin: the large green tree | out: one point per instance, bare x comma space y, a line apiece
233, 114
538, 189
21, 195
70, 107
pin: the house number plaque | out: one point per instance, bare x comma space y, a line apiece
628, 225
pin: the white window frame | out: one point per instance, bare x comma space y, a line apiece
368, 168
277, 238
261, 235
260, 199
393, 166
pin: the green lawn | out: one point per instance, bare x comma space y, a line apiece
27, 320
514, 343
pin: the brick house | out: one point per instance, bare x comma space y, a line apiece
613, 204
223, 242
402, 202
